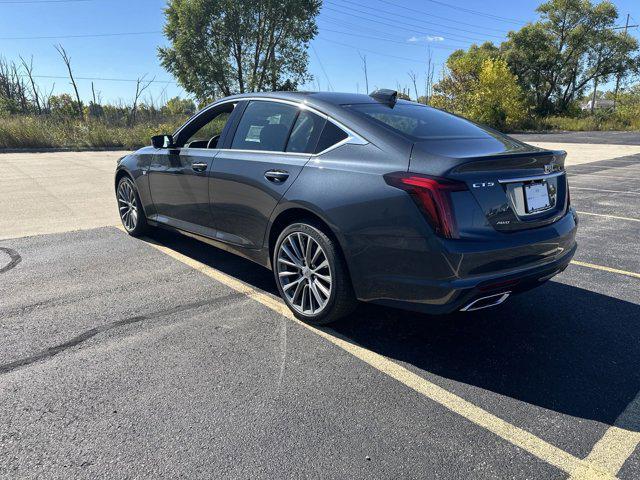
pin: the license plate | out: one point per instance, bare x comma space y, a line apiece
537, 197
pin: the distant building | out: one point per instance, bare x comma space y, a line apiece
600, 104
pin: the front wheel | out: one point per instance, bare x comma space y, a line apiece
311, 275
130, 208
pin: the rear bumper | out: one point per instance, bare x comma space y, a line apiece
439, 277
459, 294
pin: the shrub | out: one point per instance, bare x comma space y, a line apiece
51, 132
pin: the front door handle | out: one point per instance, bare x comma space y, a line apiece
199, 167
276, 176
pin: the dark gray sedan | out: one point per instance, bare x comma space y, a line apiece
358, 197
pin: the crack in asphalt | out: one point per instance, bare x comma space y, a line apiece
15, 259
83, 337
77, 298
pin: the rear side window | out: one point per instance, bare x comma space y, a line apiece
305, 133
264, 126
331, 134
419, 122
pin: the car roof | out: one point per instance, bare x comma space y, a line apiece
333, 98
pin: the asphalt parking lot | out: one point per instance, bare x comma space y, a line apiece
165, 357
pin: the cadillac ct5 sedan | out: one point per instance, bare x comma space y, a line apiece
353, 198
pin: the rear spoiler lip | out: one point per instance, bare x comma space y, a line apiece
482, 164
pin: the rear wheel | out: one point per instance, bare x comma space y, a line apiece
130, 208
311, 275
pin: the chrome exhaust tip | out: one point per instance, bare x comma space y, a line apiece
486, 302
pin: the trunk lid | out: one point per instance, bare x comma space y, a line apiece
515, 185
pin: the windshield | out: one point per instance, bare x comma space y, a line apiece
419, 122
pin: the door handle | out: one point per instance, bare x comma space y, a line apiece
276, 176
199, 167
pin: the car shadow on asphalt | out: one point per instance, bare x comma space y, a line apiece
559, 347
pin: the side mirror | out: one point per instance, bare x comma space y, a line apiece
162, 141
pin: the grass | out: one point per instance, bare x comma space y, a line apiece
50, 132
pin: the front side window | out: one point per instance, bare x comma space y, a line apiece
208, 135
264, 126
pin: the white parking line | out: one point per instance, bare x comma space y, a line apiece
607, 191
580, 212
600, 175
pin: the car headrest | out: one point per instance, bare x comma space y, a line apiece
273, 136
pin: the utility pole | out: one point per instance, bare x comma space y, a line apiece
595, 80
615, 94
366, 75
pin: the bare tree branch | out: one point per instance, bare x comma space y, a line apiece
141, 86
67, 61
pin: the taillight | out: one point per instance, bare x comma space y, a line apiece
433, 197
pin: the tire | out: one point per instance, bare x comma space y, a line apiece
130, 208
301, 275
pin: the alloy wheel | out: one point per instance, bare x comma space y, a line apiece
304, 273
127, 205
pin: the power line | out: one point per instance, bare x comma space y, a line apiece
394, 15
100, 79
88, 35
475, 12
322, 67
373, 51
349, 25
402, 25
398, 24
19, 2
422, 12
443, 47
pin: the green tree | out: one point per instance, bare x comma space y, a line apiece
221, 47
63, 106
454, 90
179, 107
479, 85
572, 45
497, 99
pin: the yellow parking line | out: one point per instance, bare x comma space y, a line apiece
609, 453
606, 269
609, 216
514, 435
616, 445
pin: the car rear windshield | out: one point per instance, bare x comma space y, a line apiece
419, 122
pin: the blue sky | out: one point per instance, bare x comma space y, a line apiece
393, 34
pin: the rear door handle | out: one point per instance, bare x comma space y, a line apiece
276, 176
199, 167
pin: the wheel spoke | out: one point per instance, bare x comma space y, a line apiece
315, 255
299, 288
287, 262
294, 258
287, 274
316, 294
296, 251
322, 288
292, 284
322, 265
